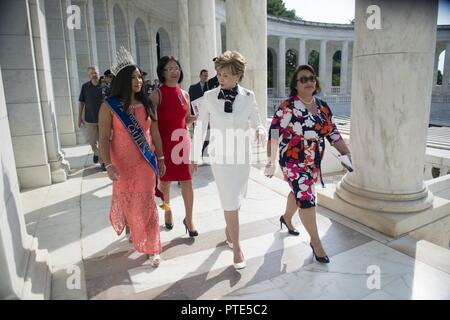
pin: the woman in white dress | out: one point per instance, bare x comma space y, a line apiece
231, 111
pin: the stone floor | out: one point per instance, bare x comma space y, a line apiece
71, 220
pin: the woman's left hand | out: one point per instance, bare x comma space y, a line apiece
161, 168
191, 119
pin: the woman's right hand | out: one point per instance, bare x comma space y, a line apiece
269, 171
192, 168
112, 172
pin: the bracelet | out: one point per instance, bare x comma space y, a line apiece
108, 165
161, 158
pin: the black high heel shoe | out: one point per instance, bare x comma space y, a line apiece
323, 259
192, 233
169, 226
292, 231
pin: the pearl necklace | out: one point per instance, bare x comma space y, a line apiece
306, 102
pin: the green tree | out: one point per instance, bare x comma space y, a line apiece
336, 75
291, 64
277, 8
439, 77
269, 69
313, 60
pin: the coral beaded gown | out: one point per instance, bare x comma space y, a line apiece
133, 199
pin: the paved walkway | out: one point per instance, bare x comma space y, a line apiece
71, 220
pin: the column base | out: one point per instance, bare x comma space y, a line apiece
68, 139
59, 169
384, 202
32, 177
391, 224
59, 175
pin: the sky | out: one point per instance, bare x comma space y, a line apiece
342, 11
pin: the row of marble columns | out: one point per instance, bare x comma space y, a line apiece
42, 65
325, 65
45, 62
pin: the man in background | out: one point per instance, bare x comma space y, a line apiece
196, 91
90, 99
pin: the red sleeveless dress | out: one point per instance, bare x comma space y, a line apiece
174, 135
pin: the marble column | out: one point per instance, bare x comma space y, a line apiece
390, 108
331, 49
344, 68
72, 67
104, 51
111, 31
55, 10
22, 92
131, 19
90, 22
202, 36
281, 85
249, 37
153, 51
446, 75
219, 37
350, 67
302, 52
58, 165
323, 66
82, 43
184, 50
16, 246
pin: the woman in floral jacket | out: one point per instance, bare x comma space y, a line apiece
298, 128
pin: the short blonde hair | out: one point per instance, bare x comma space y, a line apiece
232, 59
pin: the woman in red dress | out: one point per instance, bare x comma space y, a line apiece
173, 116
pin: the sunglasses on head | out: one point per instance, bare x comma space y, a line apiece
306, 79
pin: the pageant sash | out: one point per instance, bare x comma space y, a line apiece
133, 127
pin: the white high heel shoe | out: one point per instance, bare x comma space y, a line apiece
155, 260
240, 265
229, 244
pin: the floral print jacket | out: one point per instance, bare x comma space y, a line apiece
302, 134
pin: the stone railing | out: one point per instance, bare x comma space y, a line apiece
336, 97
272, 104
440, 98
437, 163
335, 90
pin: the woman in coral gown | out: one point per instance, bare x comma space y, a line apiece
134, 181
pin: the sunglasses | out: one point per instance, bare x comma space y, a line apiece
172, 69
306, 79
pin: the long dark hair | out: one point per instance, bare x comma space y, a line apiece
121, 88
162, 64
293, 85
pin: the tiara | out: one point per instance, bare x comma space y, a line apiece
123, 59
